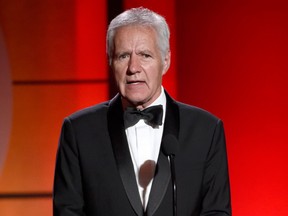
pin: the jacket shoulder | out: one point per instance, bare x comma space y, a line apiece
88, 112
195, 112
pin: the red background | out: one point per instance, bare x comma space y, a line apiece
228, 57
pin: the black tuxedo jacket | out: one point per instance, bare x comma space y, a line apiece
94, 173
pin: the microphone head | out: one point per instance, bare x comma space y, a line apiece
169, 145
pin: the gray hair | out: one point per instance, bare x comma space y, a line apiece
139, 16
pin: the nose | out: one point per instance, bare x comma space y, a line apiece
134, 64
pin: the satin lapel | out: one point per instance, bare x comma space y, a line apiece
162, 175
122, 153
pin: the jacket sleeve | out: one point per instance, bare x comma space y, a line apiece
216, 189
67, 191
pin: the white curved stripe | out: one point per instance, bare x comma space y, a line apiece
5, 101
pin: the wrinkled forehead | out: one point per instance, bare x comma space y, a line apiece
135, 37
142, 29
133, 33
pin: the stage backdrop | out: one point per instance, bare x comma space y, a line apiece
228, 57
55, 64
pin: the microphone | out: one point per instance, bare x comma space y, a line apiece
169, 148
169, 145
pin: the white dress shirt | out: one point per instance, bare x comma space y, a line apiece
144, 144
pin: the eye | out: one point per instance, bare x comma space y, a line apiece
123, 56
145, 55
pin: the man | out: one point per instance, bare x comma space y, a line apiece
110, 162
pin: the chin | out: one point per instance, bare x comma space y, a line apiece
135, 101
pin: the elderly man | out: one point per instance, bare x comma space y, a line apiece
114, 158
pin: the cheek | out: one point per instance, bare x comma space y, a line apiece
155, 80
154, 74
160, 73
118, 79
119, 73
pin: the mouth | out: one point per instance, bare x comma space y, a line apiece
131, 82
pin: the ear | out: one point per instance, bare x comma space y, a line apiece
166, 63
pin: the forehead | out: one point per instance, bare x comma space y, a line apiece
133, 34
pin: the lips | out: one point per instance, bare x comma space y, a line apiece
134, 81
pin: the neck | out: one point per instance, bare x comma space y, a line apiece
138, 106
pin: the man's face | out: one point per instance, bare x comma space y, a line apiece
137, 65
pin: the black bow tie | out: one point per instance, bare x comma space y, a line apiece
152, 116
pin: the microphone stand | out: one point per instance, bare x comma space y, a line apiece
173, 179
170, 147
